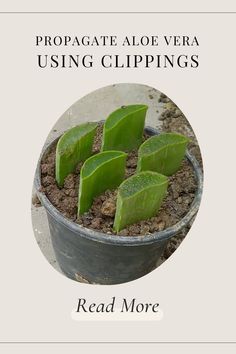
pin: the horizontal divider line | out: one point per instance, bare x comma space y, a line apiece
115, 342
118, 12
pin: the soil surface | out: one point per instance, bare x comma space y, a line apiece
173, 120
100, 217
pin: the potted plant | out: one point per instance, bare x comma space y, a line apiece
85, 252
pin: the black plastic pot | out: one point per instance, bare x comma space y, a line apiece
109, 259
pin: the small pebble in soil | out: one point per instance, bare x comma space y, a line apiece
108, 207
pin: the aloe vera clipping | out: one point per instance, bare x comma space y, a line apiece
162, 153
100, 172
123, 129
139, 198
74, 146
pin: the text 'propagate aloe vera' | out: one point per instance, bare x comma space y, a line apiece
123, 129
74, 146
100, 172
139, 198
162, 153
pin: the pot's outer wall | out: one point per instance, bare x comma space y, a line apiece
96, 262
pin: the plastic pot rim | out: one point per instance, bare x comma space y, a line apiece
117, 239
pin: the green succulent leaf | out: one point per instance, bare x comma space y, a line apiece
74, 145
123, 129
139, 198
100, 172
162, 153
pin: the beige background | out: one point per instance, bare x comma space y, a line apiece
196, 287
121, 5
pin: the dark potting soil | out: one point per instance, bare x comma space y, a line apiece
100, 217
173, 120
